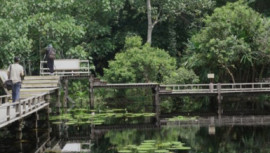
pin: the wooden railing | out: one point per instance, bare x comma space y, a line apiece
11, 112
66, 67
4, 99
220, 87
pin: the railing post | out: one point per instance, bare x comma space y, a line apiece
47, 98
211, 87
24, 107
36, 101
6, 99
19, 108
30, 105
8, 112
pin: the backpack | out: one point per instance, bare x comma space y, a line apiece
52, 53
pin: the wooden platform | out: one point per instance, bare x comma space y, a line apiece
34, 96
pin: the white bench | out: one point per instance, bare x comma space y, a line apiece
67, 67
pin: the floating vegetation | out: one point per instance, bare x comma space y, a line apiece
124, 151
84, 116
152, 146
182, 118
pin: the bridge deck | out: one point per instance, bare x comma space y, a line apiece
126, 85
34, 94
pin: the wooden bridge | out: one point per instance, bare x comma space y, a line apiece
215, 89
35, 95
36, 91
219, 90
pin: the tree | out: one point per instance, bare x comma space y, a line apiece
160, 10
28, 26
13, 31
232, 42
139, 63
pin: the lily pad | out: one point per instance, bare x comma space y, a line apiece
124, 151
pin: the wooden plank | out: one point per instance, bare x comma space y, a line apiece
40, 81
39, 85
41, 78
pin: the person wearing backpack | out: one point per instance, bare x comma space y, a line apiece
16, 74
50, 56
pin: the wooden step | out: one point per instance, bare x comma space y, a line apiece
40, 81
42, 78
39, 85
36, 90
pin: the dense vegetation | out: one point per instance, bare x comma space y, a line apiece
176, 41
191, 32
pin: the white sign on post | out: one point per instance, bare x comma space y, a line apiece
211, 76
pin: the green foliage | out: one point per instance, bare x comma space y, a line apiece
77, 52
230, 42
140, 64
161, 140
13, 31
162, 10
132, 42
182, 76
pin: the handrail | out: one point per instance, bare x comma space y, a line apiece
84, 68
22, 108
213, 87
5, 98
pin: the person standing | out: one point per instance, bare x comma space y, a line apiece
50, 56
16, 73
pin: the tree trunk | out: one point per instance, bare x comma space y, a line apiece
230, 73
150, 22
253, 73
261, 72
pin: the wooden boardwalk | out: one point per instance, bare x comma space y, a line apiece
35, 95
215, 89
192, 89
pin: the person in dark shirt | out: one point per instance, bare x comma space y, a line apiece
50, 56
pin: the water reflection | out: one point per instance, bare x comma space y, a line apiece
228, 134
33, 141
249, 134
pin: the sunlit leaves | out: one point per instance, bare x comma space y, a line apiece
140, 64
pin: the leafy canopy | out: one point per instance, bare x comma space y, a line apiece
232, 40
140, 63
